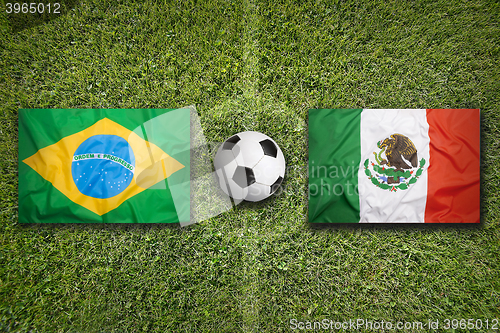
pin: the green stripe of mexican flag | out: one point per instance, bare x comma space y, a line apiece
393, 165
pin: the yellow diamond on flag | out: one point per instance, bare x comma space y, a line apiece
102, 166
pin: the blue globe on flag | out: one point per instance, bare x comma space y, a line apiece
103, 166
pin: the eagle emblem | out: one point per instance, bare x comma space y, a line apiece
399, 169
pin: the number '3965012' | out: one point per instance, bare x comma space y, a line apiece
32, 8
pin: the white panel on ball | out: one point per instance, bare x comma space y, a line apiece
267, 170
250, 153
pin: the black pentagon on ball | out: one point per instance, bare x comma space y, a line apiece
243, 176
276, 184
269, 148
229, 144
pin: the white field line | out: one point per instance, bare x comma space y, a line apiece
249, 302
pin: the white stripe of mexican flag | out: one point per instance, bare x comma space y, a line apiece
400, 205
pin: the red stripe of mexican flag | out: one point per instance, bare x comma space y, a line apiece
454, 175
393, 165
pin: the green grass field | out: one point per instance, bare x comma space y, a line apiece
249, 65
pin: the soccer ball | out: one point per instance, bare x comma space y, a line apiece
249, 166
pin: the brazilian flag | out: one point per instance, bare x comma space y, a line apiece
104, 165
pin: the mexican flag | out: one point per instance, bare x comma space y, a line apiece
104, 165
394, 165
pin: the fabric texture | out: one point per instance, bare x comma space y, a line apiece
103, 166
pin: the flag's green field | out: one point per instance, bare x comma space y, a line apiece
250, 65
